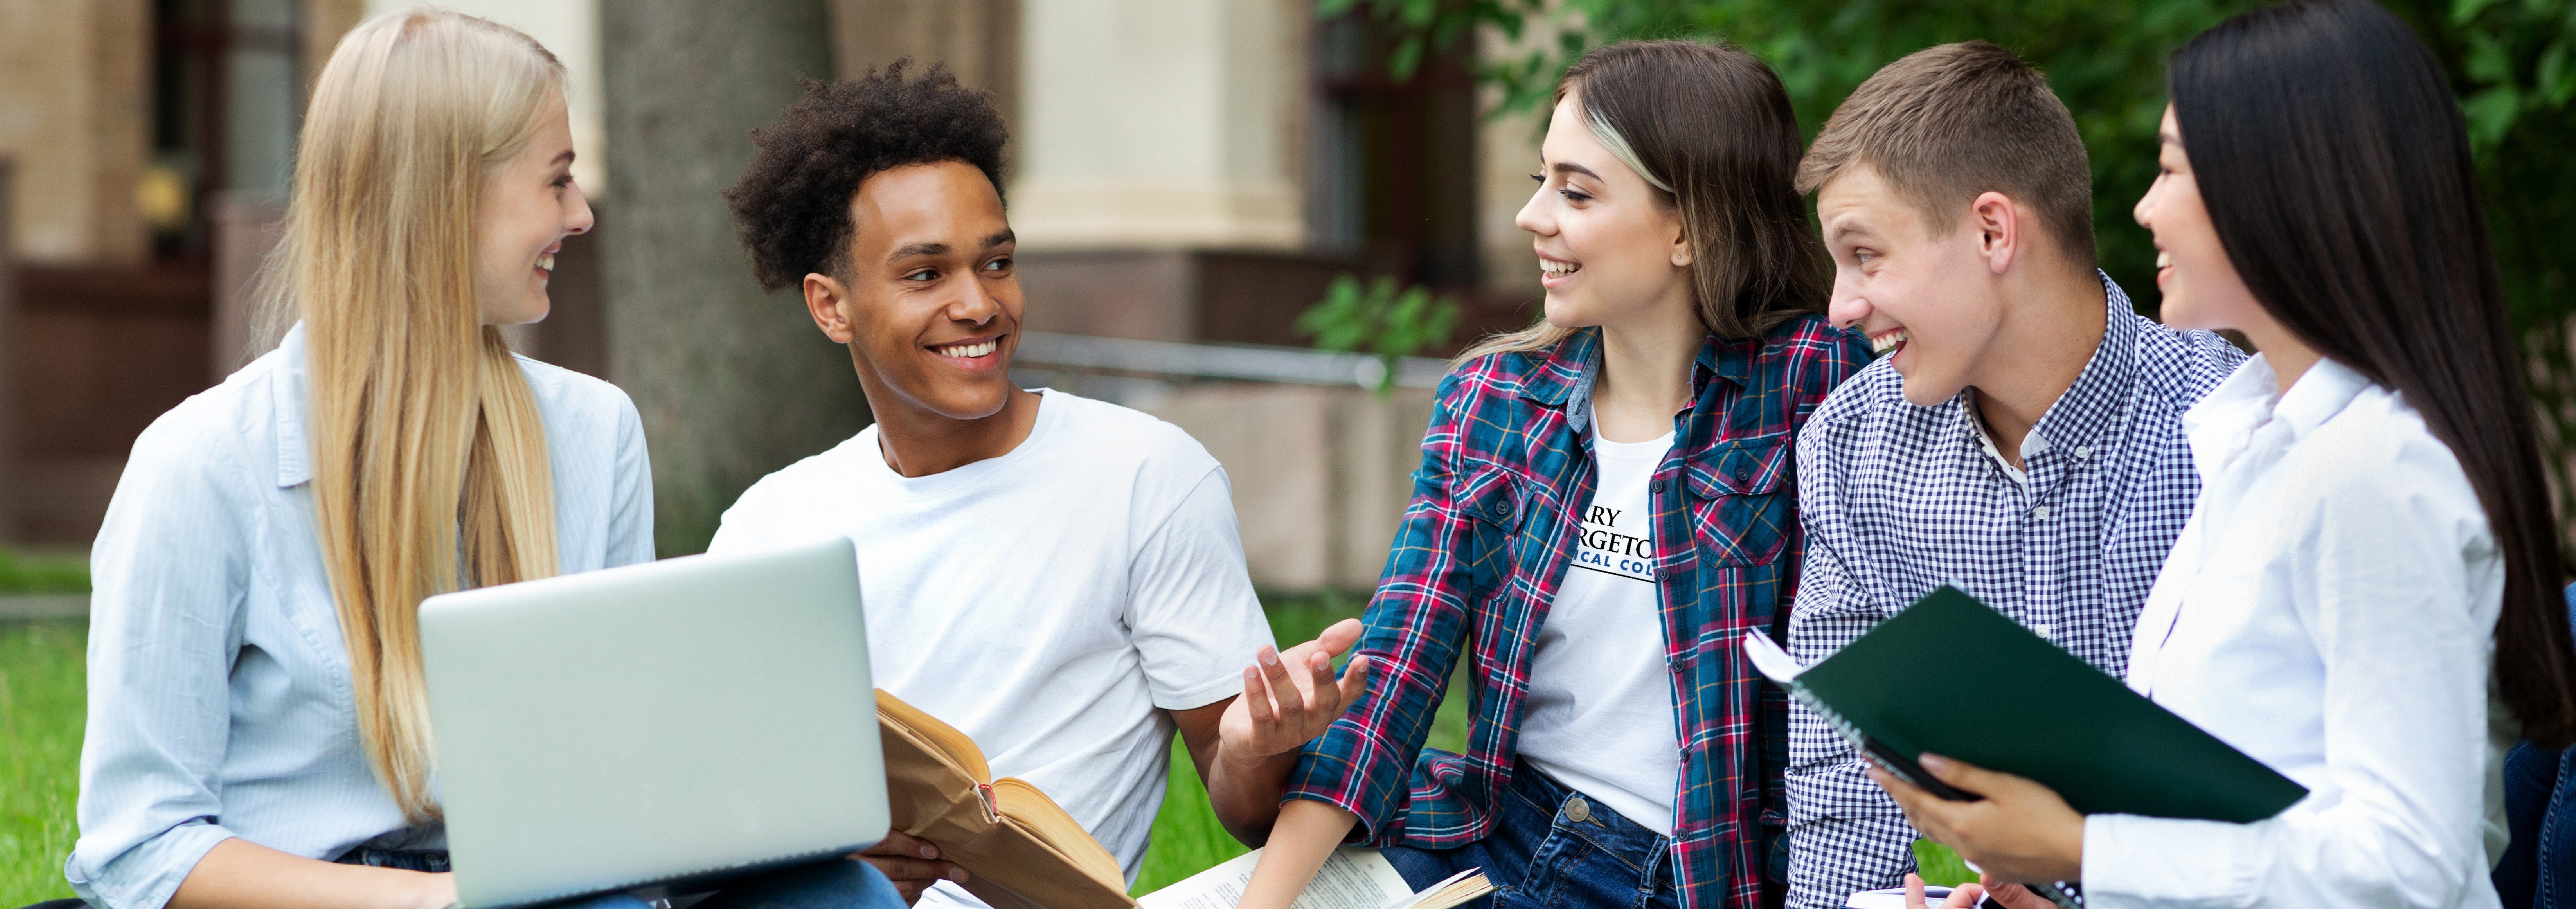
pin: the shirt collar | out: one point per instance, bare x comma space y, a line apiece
1567, 373
290, 405
2090, 407
2223, 423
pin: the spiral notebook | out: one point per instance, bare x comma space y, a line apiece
1948, 674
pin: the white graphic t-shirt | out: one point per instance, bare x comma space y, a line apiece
1045, 602
1599, 716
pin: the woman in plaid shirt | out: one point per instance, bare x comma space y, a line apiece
1604, 506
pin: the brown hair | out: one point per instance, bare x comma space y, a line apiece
1709, 127
1950, 122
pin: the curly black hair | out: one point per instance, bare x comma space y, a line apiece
792, 206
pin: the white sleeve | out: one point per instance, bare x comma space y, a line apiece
630, 519
1190, 607
739, 527
2397, 590
169, 573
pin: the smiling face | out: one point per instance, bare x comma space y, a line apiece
529, 205
2200, 284
1609, 249
931, 305
1926, 302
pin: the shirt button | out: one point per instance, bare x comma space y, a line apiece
2045, 630
1659, 484
2041, 511
1743, 473
2084, 451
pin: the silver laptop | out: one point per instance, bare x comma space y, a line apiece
673, 724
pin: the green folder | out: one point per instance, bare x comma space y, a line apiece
1953, 677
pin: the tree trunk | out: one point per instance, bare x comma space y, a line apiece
733, 383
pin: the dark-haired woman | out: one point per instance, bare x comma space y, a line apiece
2367, 595
1603, 505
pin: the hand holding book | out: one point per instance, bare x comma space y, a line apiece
2051, 738
2018, 829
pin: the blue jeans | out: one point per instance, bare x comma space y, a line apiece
1553, 847
2539, 868
832, 884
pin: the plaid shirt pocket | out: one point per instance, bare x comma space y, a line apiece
1743, 508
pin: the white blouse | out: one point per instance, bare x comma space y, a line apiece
2330, 610
219, 698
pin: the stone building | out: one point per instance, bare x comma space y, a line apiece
1186, 171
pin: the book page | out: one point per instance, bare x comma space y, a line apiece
1767, 656
1354, 877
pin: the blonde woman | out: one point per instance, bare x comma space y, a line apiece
258, 734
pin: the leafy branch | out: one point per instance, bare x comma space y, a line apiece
1381, 320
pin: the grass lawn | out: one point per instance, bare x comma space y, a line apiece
22, 572
40, 732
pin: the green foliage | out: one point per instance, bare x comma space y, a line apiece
28, 573
1940, 867
41, 696
1379, 320
2512, 63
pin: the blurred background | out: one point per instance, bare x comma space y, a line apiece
1262, 220
1184, 172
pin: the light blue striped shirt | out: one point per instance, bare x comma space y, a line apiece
219, 698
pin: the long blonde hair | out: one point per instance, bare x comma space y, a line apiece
1709, 128
429, 460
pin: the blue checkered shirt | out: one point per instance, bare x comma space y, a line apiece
1897, 499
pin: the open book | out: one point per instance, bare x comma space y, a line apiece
1019, 849
1894, 898
1353, 877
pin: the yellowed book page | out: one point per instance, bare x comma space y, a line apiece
1353, 877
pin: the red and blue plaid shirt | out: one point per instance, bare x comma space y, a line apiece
1506, 469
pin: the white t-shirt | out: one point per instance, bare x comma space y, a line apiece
1600, 712
1044, 602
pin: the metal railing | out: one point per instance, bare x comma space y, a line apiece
1247, 362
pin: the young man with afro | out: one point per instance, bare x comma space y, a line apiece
1059, 578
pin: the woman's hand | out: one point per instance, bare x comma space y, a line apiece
1965, 896
2020, 831
1290, 698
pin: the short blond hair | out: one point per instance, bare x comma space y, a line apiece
1948, 123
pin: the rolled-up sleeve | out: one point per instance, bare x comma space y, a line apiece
169, 570
1416, 623
1845, 834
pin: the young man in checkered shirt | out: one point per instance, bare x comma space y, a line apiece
2019, 435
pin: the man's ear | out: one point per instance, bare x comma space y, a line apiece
823, 297
1998, 226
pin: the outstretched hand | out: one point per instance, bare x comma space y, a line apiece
2018, 831
1290, 698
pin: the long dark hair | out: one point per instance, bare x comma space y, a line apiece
2336, 169
1710, 126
